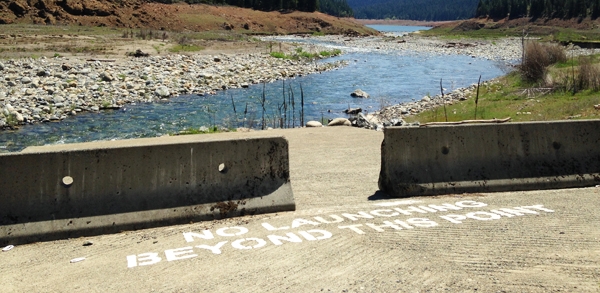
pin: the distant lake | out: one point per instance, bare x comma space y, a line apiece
386, 28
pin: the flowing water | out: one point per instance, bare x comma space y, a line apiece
389, 77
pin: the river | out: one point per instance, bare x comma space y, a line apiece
389, 77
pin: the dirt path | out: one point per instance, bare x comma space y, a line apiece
552, 245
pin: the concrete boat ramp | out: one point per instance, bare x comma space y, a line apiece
344, 236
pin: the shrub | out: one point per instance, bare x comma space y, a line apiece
538, 57
589, 75
556, 53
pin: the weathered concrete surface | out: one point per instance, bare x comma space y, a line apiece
94, 188
334, 171
490, 157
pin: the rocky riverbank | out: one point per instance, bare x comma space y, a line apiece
392, 115
507, 49
51, 89
504, 50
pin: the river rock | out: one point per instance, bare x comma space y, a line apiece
361, 121
358, 93
19, 117
352, 111
106, 76
340, 122
313, 124
9, 109
162, 91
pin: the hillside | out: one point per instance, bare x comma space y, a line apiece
556, 9
429, 10
173, 17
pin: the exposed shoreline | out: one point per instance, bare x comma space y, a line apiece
51, 89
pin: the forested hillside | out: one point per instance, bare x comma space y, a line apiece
336, 8
414, 9
563, 9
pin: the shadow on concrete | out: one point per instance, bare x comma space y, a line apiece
379, 195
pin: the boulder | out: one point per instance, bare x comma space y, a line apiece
340, 122
352, 110
313, 124
359, 94
162, 91
138, 53
361, 121
397, 122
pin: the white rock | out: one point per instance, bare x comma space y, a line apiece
359, 94
162, 91
340, 122
314, 124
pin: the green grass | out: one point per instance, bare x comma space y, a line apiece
546, 33
279, 55
509, 98
185, 48
486, 34
334, 52
574, 62
302, 54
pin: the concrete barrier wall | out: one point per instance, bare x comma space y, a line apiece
141, 183
490, 157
